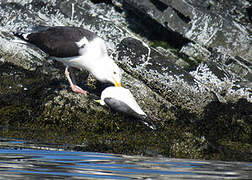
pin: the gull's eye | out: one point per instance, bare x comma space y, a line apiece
114, 72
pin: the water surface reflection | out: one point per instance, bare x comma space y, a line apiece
22, 160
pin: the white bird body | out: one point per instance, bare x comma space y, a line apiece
76, 47
123, 96
94, 59
120, 99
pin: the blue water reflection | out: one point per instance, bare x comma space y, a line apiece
36, 162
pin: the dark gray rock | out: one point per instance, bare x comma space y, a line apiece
193, 90
223, 26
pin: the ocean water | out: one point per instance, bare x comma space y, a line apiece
22, 160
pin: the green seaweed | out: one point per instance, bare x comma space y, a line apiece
221, 132
162, 44
192, 64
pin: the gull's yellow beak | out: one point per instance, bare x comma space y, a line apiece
118, 84
98, 101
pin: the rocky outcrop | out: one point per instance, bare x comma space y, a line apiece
191, 90
195, 88
224, 25
209, 26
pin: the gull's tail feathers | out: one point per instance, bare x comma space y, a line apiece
147, 121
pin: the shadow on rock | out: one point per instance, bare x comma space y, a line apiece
228, 129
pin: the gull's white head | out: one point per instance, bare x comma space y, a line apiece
121, 99
97, 61
122, 95
108, 71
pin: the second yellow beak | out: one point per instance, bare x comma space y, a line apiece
118, 84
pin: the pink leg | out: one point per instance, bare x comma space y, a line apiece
74, 87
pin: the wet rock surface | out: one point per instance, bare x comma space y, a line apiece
188, 64
223, 25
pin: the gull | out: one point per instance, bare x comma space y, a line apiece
121, 99
76, 47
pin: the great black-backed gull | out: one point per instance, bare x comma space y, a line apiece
120, 99
76, 47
